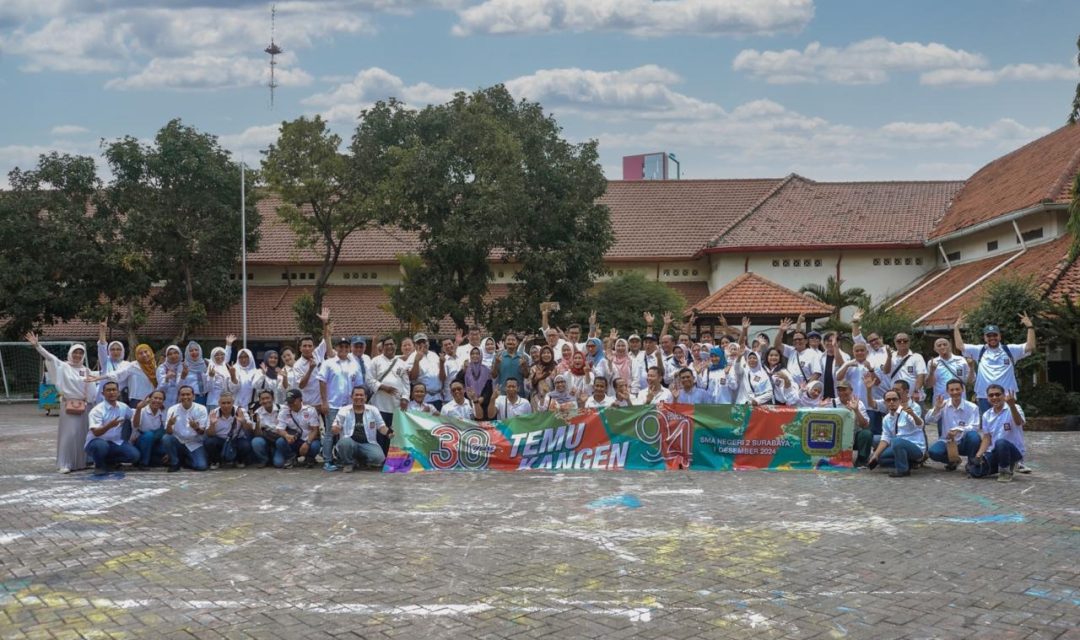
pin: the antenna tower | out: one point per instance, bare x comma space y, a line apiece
273, 50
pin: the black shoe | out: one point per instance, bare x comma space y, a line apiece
173, 469
872, 464
899, 474
950, 467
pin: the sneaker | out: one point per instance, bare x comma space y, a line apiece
1020, 468
309, 463
290, 462
872, 464
173, 469
348, 468
64, 470
215, 466
899, 474
241, 465
301, 459
1005, 476
319, 458
950, 467
329, 466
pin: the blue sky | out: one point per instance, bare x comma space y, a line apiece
834, 90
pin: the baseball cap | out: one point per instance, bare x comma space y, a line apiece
293, 394
843, 384
342, 340
813, 334
633, 336
358, 340
650, 336
420, 336
991, 328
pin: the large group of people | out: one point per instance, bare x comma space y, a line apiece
331, 402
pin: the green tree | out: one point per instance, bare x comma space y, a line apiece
180, 197
329, 194
620, 302
486, 177
49, 265
833, 293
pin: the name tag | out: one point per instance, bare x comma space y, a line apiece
1007, 426
911, 368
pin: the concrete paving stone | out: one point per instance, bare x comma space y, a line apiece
267, 554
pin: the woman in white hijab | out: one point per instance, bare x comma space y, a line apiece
246, 375
170, 372
75, 382
488, 349
110, 361
755, 387
220, 378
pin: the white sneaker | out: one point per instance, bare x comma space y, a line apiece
1020, 468
64, 470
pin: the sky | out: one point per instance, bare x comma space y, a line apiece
829, 89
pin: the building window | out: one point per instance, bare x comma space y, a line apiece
952, 257
776, 263
686, 272
374, 275
806, 264
1034, 234
918, 261
364, 275
907, 261
311, 276
888, 261
992, 245
284, 276
877, 262
347, 274
787, 263
695, 272
817, 262
796, 263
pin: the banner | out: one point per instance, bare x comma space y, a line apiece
711, 437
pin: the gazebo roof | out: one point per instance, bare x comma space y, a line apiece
753, 295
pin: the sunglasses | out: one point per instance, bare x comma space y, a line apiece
993, 395
892, 399
902, 341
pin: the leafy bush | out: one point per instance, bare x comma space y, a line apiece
1050, 399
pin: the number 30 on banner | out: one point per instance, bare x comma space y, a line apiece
467, 449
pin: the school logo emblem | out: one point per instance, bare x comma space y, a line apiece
821, 434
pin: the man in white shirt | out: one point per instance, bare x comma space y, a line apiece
877, 352
464, 350
338, 377
650, 356
184, 428
654, 392
902, 439
599, 398
388, 385
803, 363
359, 355
105, 442
995, 362
424, 367
305, 372
358, 427
945, 367
908, 366
958, 427
864, 437
451, 366
511, 405
1002, 434
301, 424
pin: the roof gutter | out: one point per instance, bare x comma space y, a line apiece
980, 279
1010, 217
815, 247
948, 268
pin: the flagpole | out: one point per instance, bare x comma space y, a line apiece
243, 256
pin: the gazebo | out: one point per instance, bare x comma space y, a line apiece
758, 298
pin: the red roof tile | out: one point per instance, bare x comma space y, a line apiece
690, 291
753, 295
804, 212
688, 211
1047, 264
1039, 172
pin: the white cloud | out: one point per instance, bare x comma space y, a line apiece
638, 93
210, 72
344, 102
249, 143
638, 17
1012, 72
68, 130
865, 62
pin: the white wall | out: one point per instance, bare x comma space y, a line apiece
974, 246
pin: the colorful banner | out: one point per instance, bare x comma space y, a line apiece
710, 437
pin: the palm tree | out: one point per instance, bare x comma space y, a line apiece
835, 295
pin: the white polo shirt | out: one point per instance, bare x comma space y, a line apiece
1001, 426
505, 409
964, 417
182, 430
908, 368
996, 366
901, 426
102, 414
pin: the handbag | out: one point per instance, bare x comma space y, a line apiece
74, 407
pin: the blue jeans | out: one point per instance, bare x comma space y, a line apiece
180, 456
149, 441
328, 438
351, 452
283, 451
1004, 455
876, 418
239, 450
260, 450
900, 454
967, 445
105, 453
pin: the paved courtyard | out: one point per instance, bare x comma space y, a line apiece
293, 554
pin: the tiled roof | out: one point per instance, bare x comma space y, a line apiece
688, 211
691, 291
753, 295
1047, 264
1039, 172
804, 212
